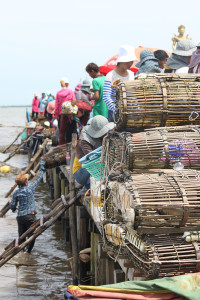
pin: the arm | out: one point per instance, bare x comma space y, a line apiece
13, 204
96, 96
33, 185
107, 94
85, 147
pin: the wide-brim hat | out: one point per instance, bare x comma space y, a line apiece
184, 48
99, 126
85, 83
51, 107
85, 89
126, 54
21, 179
145, 55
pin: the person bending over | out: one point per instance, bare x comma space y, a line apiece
23, 201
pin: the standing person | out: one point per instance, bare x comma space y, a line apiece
23, 201
100, 107
83, 102
65, 94
35, 104
194, 66
64, 122
121, 72
51, 111
42, 103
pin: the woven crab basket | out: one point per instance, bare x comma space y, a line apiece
159, 148
165, 255
161, 101
168, 199
57, 156
155, 255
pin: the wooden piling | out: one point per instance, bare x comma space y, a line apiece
56, 183
72, 217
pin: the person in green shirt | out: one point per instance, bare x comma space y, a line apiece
100, 107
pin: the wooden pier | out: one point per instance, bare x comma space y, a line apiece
83, 231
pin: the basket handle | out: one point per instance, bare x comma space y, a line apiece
114, 83
88, 158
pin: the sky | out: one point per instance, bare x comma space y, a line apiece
42, 41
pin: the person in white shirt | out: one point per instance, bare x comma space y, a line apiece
121, 72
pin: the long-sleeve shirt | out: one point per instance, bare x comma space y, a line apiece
23, 198
109, 93
35, 103
62, 96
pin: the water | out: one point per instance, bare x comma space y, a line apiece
45, 273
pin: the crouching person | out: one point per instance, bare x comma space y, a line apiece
23, 201
90, 139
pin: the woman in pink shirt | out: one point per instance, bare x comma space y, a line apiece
35, 104
66, 125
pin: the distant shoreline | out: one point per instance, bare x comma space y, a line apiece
6, 106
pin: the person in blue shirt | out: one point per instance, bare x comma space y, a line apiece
43, 103
23, 201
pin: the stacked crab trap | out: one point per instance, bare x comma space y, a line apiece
148, 194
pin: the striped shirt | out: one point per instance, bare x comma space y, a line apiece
25, 197
109, 93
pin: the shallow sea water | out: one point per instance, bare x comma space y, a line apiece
45, 273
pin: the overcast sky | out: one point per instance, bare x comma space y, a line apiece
45, 40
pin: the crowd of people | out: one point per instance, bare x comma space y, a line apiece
89, 111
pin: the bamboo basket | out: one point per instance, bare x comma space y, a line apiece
165, 255
152, 149
165, 100
57, 156
158, 200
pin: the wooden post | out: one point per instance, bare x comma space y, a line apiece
72, 217
62, 186
57, 185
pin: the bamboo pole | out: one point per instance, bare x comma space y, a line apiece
13, 141
17, 149
38, 228
33, 159
5, 209
72, 217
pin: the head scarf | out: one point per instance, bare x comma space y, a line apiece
177, 61
149, 66
195, 58
95, 142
